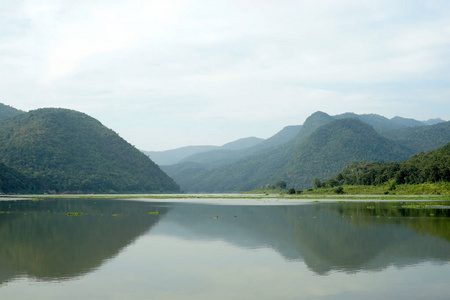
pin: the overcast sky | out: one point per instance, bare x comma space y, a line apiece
165, 74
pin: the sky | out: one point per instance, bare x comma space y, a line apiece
172, 73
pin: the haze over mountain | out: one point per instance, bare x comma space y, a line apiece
322, 147
170, 157
62, 150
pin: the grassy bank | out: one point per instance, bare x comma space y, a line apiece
439, 188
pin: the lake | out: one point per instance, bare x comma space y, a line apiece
210, 249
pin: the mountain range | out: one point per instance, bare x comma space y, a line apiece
64, 151
319, 148
60, 151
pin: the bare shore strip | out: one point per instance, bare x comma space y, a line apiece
235, 199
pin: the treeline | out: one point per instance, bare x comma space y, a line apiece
433, 166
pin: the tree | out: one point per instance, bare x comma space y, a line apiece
281, 184
339, 190
317, 184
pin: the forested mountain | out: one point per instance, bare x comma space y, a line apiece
423, 138
68, 151
433, 166
322, 147
7, 111
335, 145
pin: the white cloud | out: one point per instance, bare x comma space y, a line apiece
224, 64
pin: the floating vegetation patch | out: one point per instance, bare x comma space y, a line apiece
116, 215
154, 213
74, 213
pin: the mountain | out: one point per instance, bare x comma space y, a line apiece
210, 156
323, 145
433, 121
322, 148
382, 124
7, 111
405, 122
220, 156
242, 143
170, 157
422, 138
68, 151
335, 145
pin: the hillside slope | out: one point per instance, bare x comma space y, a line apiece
7, 111
433, 166
69, 151
337, 144
421, 138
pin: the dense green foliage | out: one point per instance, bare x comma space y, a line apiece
7, 111
68, 151
433, 166
12, 181
423, 138
337, 144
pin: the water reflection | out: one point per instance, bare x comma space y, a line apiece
327, 237
64, 238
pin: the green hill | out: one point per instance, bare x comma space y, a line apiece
422, 138
7, 111
68, 151
322, 147
337, 144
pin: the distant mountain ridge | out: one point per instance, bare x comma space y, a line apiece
322, 147
208, 156
213, 156
62, 150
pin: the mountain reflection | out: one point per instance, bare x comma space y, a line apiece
65, 238
327, 237
62, 239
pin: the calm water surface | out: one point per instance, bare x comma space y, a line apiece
115, 249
